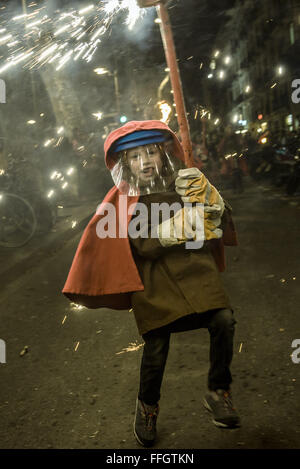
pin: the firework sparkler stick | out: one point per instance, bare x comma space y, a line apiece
170, 53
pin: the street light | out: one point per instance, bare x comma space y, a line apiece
104, 71
101, 71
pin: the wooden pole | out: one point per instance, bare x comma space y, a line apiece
170, 53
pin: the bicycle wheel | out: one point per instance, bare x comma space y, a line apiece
17, 221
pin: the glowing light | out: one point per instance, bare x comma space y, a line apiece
76, 307
34, 23
47, 52
101, 71
90, 20
5, 38
86, 9
31, 122
70, 171
50, 194
19, 17
247, 89
157, 20
217, 53
64, 59
62, 29
99, 32
280, 70
97, 115
134, 12
76, 346
133, 347
165, 110
111, 6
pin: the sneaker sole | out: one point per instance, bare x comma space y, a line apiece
218, 424
145, 444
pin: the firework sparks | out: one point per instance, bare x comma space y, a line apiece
133, 347
48, 36
76, 346
76, 307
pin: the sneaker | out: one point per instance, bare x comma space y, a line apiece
145, 423
219, 402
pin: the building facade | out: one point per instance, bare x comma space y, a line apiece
254, 62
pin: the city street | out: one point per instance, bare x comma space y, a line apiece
71, 375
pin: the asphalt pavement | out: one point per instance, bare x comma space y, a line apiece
71, 374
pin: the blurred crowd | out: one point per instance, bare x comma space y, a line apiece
226, 157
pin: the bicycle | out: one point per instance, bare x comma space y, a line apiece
23, 208
18, 222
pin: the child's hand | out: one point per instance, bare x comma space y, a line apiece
193, 186
190, 223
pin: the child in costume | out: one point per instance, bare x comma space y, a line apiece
156, 265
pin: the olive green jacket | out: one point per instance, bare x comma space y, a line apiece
177, 281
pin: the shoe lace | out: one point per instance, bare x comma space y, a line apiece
228, 405
150, 418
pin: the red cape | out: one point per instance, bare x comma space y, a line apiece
103, 272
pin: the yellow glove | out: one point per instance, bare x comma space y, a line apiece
177, 229
211, 230
190, 223
193, 186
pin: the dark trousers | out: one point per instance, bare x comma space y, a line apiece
220, 324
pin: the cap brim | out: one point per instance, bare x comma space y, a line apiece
138, 143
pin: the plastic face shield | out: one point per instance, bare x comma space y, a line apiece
145, 169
